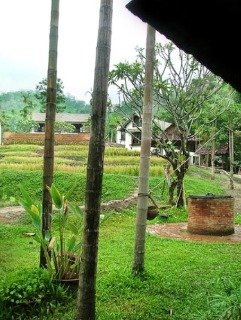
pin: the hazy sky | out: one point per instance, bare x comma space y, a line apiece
24, 29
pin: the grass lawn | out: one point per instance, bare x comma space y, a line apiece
181, 277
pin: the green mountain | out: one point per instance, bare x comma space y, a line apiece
15, 101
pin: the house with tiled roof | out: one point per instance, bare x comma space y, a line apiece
77, 120
129, 135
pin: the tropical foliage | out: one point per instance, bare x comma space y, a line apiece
181, 88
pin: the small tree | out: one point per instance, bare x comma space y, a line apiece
221, 125
41, 95
181, 87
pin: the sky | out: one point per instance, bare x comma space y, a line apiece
25, 27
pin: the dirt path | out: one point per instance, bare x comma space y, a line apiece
12, 214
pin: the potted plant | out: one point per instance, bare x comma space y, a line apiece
62, 246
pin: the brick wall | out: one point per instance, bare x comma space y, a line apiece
211, 215
38, 138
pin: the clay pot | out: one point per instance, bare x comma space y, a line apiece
152, 212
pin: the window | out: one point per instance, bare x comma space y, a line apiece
123, 136
137, 121
78, 127
136, 139
40, 127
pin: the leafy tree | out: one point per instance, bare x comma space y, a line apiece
225, 115
63, 127
112, 121
15, 111
41, 95
15, 122
181, 87
20, 120
73, 105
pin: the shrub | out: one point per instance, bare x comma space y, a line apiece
32, 294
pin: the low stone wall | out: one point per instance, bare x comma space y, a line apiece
38, 138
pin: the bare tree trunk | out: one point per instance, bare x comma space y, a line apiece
213, 159
231, 158
87, 281
180, 194
180, 183
171, 183
49, 124
171, 190
207, 157
167, 167
142, 202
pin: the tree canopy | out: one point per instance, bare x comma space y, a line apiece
181, 88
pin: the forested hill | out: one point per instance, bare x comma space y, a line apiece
15, 101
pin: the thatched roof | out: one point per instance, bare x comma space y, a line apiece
207, 29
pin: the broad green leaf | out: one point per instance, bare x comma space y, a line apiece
35, 210
26, 199
75, 209
56, 196
73, 228
71, 244
35, 219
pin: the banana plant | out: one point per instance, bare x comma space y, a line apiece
61, 247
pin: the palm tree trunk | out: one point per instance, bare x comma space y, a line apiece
49, 125
87, 281
142, 202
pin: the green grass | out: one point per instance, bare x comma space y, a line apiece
180, 275
114, 187
17, 250
179, 278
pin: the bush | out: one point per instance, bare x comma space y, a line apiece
31, 295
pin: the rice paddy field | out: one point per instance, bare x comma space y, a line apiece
183, 280
73, 158
21, 166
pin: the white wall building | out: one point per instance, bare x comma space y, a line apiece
129, 135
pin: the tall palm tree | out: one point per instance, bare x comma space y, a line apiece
49, 125
87, 281
142, 201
